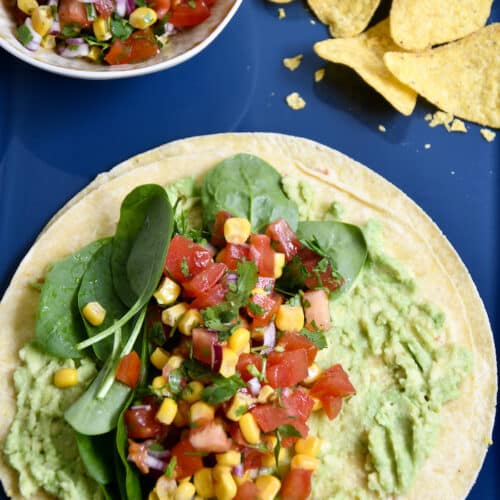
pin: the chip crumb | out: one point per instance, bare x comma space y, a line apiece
292, 63
458, 126
441, 118
319, 74
488, 134
428, 117
427, 146
295, 101
382, 128
281, 13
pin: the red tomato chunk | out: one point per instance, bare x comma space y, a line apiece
217, 239
284, 238
292, 341
296, 485
286, 369
185, 259
262, 254
204, 280
141, 422
129, 369
139, 46
188, 461
189, 13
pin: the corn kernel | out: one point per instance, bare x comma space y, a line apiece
242, 479
231, 457
102, 29
168, 292
290, 318
42, 19
184, 479
229, 362
66, 377
265, 394
159, 358
318, 405
308, 446
192, 392
237, 230
204, 483
94, 313
225, 488
249, 428
201, 411
239, 406
49, 42
279, 264
94, 53
239, 341
142, 18
165, 488
159, 382
182, 416
173, 314
304, 462
268, 460
268, 487
220, 470
167, 411
313, 373
191, 319
185, 491
271, 441
173, 363
27, 6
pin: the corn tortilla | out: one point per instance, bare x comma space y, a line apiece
410, 236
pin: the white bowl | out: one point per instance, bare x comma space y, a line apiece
181, 47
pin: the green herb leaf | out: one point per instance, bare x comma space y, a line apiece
120, 28
185, 267
71, 30
256, 309
24, 34
169, 471
317, 337
222, 389
192, 4
175, 379
288, 430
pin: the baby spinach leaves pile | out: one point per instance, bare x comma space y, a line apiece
121, 273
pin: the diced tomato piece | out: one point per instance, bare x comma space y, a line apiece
189, 13
231, 254
161, 7
333, 382
188, 461
262, 254
236, 435
298, 404
285, 369
296, 485
284, 238
138, 453
104, 7
203, 341
265, 283
303, 430
264, 309
129, 369
293, 340
332, 405
252, 458
217, 239
204, 280
210, 437
138, 47
141, 422
73, 12
316, 310
315, 278
185, 259
247, 491
269, 417
246, 359
210, 298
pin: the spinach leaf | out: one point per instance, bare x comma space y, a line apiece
59, 326
246, 186
140, 243
222, 389
96, 455
343, 244
97, 285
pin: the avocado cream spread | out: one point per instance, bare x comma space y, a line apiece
389, 343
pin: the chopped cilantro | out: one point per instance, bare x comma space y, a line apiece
91, 12
283, 431
241, 410
175, 381
169, 471
155, 447
71, 30
92, 40
192, 4
255, 309
141, 3
316, 336
185, 267
222, 389
120, 27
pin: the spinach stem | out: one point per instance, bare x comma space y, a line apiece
108, 381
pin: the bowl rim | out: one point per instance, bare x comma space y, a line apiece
85, 74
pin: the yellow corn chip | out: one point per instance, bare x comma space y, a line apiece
345, 17
295, 101
364, 54
488, 135
461, 78
419, 24
292, 63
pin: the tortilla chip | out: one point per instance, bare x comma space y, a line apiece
364, 54
488, 135
345, 17
462, 78
419, 24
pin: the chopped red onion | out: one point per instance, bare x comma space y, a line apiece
55, 29
130, 6
269, 339
170, 30
216, 357
286, 391
231, 278
211, 249
238, 470
73, 51
254, 385
75, 41
155, 463
34, 44
53, 2
121, 7
141, 407
159, 453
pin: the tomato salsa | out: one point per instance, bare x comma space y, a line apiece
105, 31
236, 380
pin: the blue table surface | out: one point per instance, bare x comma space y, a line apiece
57, 133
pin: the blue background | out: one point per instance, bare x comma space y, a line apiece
56, 134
